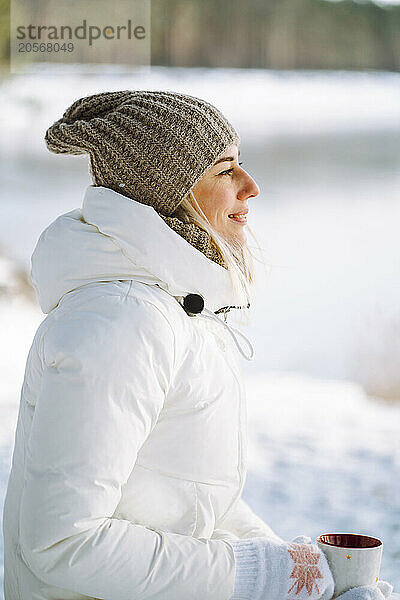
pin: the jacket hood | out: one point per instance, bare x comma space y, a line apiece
114, 237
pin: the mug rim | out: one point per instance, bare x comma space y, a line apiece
376, 542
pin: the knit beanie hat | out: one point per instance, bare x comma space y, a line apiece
152, 146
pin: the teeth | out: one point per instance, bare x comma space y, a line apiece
239, 217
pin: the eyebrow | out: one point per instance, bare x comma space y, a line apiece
225, 158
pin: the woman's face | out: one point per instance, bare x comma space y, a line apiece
223, 192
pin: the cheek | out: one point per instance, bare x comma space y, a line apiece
219, 216
216, 202
221, 205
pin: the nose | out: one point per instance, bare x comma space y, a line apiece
248, 188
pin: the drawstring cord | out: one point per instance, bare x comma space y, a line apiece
232, 331
197, 309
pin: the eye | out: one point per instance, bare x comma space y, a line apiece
228, 171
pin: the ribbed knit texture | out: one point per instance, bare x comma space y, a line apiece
247, 569
152, 146
267, 568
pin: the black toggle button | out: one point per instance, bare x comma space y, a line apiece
193, 304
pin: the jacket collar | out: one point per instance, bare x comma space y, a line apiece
115, 237
145, 238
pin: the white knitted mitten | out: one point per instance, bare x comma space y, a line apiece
266, 568
381, 591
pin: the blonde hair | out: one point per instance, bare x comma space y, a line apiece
237, 256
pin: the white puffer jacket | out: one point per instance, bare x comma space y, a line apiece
129, 458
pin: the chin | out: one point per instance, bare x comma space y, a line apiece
235, 237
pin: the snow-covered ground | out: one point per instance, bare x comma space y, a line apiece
324, 457
325, 151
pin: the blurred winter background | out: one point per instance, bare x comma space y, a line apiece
314, 89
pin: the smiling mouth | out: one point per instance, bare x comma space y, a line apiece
239, 217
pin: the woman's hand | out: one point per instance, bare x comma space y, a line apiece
266, 568
381, 591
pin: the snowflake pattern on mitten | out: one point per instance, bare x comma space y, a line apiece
305, 571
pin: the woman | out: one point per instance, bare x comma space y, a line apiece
129, 458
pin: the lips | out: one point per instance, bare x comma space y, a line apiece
239, 217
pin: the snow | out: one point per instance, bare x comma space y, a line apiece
324, 148
324, 457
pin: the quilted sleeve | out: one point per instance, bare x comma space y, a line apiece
241, 523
